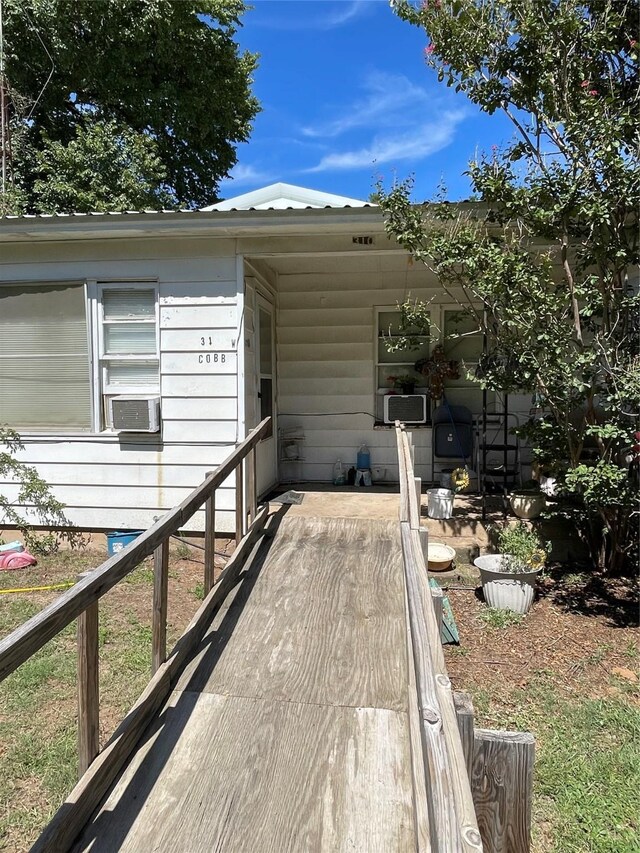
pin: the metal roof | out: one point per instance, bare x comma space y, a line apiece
276, 197
281, 196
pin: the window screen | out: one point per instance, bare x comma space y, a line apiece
44, 358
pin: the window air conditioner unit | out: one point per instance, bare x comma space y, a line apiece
408, 408
135, 414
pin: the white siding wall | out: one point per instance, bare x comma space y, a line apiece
326, 356
123, 482
326, 353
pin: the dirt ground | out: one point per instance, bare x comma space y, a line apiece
582, 634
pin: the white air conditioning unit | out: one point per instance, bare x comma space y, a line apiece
135, 414
408, 408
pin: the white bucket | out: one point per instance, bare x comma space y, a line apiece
439, 503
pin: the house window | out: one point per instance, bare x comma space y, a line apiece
128, 341
400, 363
462, 337
45, 380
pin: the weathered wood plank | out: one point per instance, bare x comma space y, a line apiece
71, 817
450, 801
418, 777
460, 790
209, 542
502, 783
417, 482
402, 472
465, 716
275, 776
88, 688
444, 825
252, 484
437, 601
323, 622
239, 502
160, 604
33, 634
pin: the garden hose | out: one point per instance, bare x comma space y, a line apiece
64, 585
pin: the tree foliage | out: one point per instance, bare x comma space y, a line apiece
36, 495
148, 96
551, 252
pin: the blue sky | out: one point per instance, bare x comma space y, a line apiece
346, 97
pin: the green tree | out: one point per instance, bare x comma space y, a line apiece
551, 250
35, 495
123, 104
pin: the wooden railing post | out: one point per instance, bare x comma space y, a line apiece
160, 595
209, 541
88, 688
28, 638
252, 485
239, 501
502, 783
465, 717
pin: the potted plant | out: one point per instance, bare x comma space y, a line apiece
509, 577
528, 501
405, 383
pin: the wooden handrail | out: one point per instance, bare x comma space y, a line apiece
26, 640
452, 825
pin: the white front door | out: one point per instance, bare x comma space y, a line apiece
266, 459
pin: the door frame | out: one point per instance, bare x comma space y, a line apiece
264, 304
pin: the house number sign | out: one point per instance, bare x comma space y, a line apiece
212, 358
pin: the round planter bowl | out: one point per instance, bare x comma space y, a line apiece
439, 556
513, 591
527, 505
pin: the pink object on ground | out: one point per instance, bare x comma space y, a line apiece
15, 560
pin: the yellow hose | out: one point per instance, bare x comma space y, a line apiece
64, 585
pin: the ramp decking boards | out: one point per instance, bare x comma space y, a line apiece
288, 730
323, 622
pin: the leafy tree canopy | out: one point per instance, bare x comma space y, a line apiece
551, 255
118, 104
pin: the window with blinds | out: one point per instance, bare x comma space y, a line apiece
129, 340
45, 380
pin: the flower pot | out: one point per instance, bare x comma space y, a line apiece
527, 504
513, 591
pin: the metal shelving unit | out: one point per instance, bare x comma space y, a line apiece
497, 451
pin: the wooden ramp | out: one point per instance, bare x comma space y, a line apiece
288, 729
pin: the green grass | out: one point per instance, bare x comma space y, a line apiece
198, 591
142, 575
496, 618
38, 727
587, 771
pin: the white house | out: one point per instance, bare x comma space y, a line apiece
270, 303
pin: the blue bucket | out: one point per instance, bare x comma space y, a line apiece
119, 539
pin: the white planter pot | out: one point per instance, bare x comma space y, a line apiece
527, 506
513, 591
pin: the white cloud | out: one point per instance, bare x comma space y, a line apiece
347, 13
388, 100
241, 174
336, 14
413, 144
